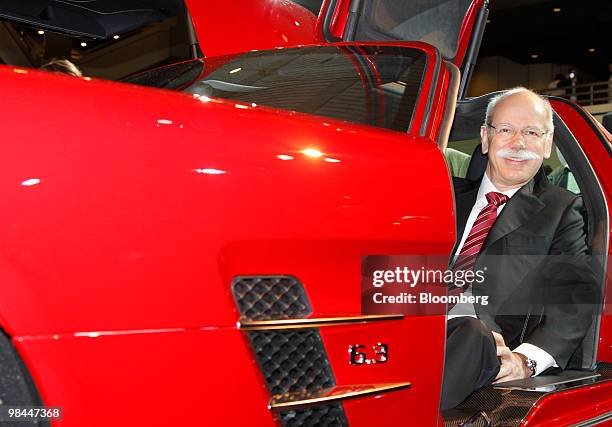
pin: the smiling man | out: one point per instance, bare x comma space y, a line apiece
529, 237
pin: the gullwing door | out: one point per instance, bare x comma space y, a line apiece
454, 27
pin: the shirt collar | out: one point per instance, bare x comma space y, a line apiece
486, 186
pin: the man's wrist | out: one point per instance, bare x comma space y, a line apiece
530, 365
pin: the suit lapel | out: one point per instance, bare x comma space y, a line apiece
464, 203
517, 212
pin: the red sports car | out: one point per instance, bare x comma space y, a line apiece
184, 247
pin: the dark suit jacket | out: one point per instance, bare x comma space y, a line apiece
541, 286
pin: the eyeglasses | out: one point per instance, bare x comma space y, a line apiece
507, 132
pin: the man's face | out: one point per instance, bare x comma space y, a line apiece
514, 160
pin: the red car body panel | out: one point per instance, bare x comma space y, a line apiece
258, 25
572, 407
338, 20
120, 248
156, 377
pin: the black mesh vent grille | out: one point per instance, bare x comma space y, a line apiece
292, 360
270, 298
324, 416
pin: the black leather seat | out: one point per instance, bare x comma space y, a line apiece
478, 164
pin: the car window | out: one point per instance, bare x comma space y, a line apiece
373, 85
312, 5
437, 22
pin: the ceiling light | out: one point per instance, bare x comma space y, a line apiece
592, 50
534, 56
41, 32
83, 44
116, 37
557, 9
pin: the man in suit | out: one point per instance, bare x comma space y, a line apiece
528, 236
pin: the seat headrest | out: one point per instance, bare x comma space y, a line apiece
469, 116
478, 164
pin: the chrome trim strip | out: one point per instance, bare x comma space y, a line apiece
595, 420
451, 105
579, 380
430, 96
293, 401
313, 322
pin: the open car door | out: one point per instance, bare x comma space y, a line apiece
454, 27
225, 27
595, 144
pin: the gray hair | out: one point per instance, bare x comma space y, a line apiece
493, 102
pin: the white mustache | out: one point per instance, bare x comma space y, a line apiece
508, 153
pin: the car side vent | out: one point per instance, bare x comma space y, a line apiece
270, 297
299, 352
326, 416
291, 360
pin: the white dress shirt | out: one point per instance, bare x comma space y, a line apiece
542, 358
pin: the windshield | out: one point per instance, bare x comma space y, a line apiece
373, 85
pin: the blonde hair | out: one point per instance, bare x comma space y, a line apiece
62, 66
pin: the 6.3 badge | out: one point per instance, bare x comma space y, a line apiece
358, 354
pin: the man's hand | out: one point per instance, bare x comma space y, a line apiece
512, 366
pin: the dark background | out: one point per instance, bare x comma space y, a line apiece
519, 29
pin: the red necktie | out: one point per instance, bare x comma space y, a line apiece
478, 234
